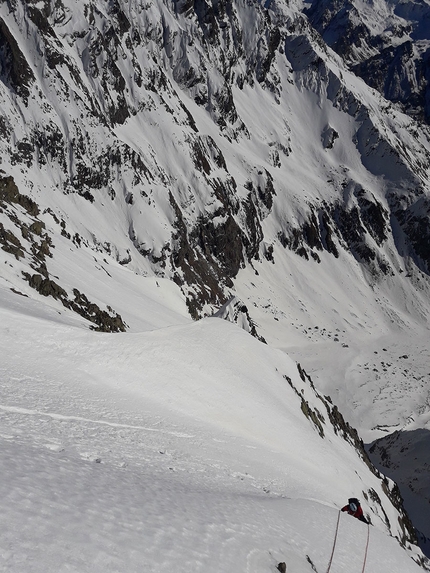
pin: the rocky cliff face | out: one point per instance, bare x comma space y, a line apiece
191, 139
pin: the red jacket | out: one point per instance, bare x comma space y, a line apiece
358, 514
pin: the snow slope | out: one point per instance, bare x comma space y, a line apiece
179, 448
137, 160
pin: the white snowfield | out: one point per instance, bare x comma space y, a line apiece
179, 449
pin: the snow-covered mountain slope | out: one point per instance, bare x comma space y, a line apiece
188, 447
386, 43
161, 159
146, 146
138, 132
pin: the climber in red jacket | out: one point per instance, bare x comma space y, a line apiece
354, 508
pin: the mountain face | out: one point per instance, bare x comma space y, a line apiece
406, 456
226, 148
385, 43
189, 125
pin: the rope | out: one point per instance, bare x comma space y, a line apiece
334, 543
367, 546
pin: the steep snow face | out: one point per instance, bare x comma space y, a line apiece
159, 159
193, 446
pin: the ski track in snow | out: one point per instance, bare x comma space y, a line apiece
61, 417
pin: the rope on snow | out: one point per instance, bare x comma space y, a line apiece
367, 546
335, 540
334, 543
